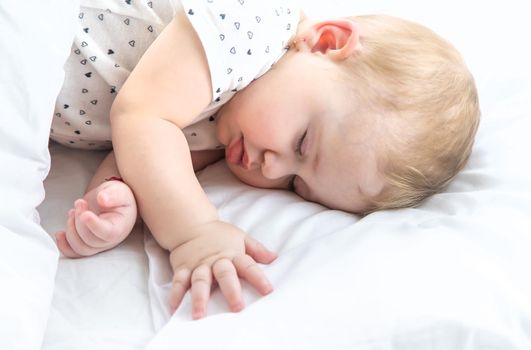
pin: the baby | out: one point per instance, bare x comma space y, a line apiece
358, 114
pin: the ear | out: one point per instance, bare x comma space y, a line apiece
336, 38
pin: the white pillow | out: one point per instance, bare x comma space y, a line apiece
35, 38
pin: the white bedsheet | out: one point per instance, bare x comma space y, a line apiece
452, 274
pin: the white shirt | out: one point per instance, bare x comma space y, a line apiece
242, 39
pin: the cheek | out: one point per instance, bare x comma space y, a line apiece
253, 110
238, 115
260, 130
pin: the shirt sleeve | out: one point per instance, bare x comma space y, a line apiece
242, 39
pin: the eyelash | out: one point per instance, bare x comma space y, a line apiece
298, 150
291, 185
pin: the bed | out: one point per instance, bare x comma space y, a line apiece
451, 274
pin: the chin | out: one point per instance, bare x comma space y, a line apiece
236, 171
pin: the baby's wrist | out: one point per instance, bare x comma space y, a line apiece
190, 234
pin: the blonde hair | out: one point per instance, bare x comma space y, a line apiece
419, 86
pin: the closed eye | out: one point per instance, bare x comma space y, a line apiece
291, 183
298, 149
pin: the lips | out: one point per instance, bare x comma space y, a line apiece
235, 152
237, 155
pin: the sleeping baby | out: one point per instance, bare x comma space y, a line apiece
358, 113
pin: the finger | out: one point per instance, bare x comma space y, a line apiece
258, 251
99, 231
180, 284
64, 246
80, 205
249, 270
74, 240
88, 228
88, 234
229, 283
201, 283
112, 196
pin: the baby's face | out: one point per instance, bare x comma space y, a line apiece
285, 131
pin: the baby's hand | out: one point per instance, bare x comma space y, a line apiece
220, 253
99, 221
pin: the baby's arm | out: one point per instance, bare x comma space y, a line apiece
105, 215
169, 87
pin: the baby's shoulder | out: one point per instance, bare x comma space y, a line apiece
242, 39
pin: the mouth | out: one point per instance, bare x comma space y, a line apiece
235, 153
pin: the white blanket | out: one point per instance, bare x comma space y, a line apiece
34, 42
451, 274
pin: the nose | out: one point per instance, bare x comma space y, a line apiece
275, 166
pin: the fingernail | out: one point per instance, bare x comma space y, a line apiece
237, 307
268, 288
196, 315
